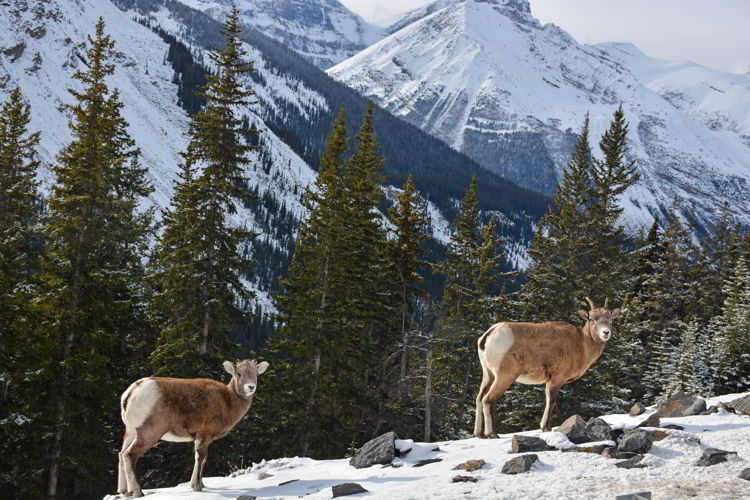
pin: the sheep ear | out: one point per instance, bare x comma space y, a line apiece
229, 368
584, 314
262, 366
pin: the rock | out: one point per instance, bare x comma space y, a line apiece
713, 456
264, 475
519, 464
610, 452
470, 465
635, 441
436, 448
380, 450
745, 474
427, 461
724, 406
741, 405
247, 497
464, 479
631, 463
345, 489
674, 427
652, 421
636, 410
574, 429
598, 449
288, 482
620, 405
642, 495
598, 430
681, 404
524, 444
659, 435
711, 410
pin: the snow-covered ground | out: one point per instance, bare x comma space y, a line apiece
670, 474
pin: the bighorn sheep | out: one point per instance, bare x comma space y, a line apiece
172, 409
554, 354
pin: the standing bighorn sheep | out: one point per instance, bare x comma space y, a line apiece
172, 409
554, 354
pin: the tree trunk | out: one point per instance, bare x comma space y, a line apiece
428, 395
402, 383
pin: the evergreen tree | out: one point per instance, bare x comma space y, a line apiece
22, 348
691, 366
95, 239
411, 227
471, 268
199, 263
730, 357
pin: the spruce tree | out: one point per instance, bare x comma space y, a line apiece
95, 237
471, 269
199, 263
690, 362
21, 345
408, 251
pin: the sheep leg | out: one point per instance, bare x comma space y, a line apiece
142, 442
501, 384
201, 452
487, 379
551, 392
122, 482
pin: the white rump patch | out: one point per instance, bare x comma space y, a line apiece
143, 398
496, 345
174, 438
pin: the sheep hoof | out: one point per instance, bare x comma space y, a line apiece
197, 487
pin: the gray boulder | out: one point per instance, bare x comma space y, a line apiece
652, 421
519, 464
631, 463
525, 444
681, 404
745, 474
636, 410
464, 479
635, 441
427, 461
713, 456
574, 429
346, 489
741, 405
598, 430
380, 450
247, 497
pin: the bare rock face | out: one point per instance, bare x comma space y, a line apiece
741, 405
598, 430
380, 450
681, 404
574, 429
519, 464
524, 444
713, 456
636, 441
345, 489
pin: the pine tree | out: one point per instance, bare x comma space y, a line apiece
411, 227
691, 372
472, 265
22, 348
199, 263
95, 237
730, 357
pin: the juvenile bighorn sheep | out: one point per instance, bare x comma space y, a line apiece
554, 353
172, 409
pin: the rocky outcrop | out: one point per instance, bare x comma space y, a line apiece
380, 450
681, 404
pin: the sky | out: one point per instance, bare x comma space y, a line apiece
714, 33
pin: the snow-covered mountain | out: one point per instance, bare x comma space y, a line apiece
324, 31
44, 42
489, 79
668, 469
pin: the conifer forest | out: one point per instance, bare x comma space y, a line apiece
373, 324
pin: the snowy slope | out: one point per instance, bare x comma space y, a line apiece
481, 73
324, 31
670, 471
42, 46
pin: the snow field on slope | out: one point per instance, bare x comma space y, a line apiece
671, 473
